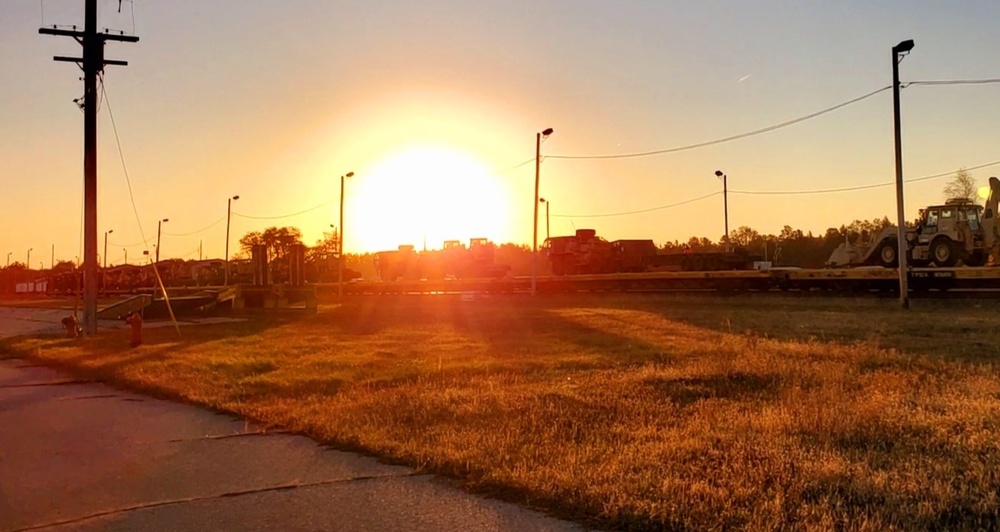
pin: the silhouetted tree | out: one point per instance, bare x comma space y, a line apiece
328, 246
743, 236
278, 240
962, 185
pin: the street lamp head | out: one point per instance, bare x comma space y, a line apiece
718, 173
547, 132
903, 47
349, 174
235, 198
111, 231
541, 200
166, 220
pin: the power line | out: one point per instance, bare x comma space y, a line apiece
121, 155
780, 125
730, 138
773, 192
859, 187
144, 242
516, 166
660, 208
202, 230
953, 82
321, 205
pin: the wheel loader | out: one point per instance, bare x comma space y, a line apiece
944, 236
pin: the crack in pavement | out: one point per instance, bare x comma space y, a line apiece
235, 435
101, 396
172, 502
50, 383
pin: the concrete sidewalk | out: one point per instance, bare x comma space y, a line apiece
83, 456
20, 321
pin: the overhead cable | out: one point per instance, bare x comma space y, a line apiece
121, 155
660, 208
859, 187
953, 82
773, 192
143, 243
727, 139
321, 205
779, 125
202, 230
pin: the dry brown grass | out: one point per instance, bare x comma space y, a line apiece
642, 412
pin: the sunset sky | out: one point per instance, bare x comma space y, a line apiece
431, 103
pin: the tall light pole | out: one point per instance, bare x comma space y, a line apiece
53, 261
159, 231
546, 202
340, 244
898, 52
9, 253
27, 264
229, 217
725, 202
534, 235
126, 255
106, 233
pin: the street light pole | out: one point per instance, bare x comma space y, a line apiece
106, 233
340, 240
229, 217
898, 52
27, 265
725, 202
126, 255
534, 235
159, 230
8, 258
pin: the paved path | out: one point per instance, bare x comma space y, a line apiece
83, 456
17, 321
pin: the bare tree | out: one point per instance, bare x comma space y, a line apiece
962, 185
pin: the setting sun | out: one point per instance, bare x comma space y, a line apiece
425, 193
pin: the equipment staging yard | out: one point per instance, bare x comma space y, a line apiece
629, 410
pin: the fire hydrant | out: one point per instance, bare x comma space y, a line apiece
72, 326
134, 322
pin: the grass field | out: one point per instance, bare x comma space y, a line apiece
622, 411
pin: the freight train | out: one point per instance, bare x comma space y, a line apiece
585, 253
454, 261
180, 273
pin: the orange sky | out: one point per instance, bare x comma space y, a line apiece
430, 102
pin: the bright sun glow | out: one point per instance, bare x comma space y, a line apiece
430, 193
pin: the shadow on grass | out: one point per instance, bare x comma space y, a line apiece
522, 332
735, 386
967, 330
110, 352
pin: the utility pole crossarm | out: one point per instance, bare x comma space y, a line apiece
61, 33
77, 34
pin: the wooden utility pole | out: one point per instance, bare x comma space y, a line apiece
93, 64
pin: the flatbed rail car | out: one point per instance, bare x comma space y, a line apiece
842, 280
858, 280
653, 281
